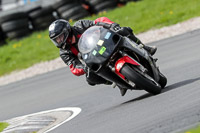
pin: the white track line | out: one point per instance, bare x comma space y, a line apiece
74, 110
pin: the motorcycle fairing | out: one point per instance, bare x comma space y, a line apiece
106, 42
103, 49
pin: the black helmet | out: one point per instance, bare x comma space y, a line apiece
59, 31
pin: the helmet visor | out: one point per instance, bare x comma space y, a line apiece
60, 39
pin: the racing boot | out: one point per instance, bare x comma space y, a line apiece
151, 49
123, 91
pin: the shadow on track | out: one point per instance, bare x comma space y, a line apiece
180, 84
139, 98
168, 88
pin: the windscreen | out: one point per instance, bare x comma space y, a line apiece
89, 39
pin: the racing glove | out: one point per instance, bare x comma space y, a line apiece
114, 26
77, 68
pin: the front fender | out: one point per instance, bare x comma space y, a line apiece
120, 63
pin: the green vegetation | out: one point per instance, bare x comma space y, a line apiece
3, 125
141, 16
26, 52
194, 130
148, 14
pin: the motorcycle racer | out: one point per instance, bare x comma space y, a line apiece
66, 37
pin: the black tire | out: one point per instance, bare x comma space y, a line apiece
41, 19
42, 26
162, 81
12, 15
66, 7
2, 39
72, 12
61, 3
18, 34
41, 13
47, 18
140, 80
79, 16
95, 2
42, 23
122, 1
105, 5
33, 9
15, 25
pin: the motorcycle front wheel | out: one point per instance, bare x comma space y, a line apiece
144, 81
163, 80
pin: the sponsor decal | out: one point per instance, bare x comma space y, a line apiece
107, 35
94, 52
100, 42
102, 50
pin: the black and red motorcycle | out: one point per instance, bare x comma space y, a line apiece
120, 60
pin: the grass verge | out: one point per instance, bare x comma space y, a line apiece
193, 130
3, 125
141, 16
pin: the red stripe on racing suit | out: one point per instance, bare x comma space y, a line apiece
76, 71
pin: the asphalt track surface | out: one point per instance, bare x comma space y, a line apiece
103, 109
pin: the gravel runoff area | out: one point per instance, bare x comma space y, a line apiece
146, 37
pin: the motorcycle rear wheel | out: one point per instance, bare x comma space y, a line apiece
140, 80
